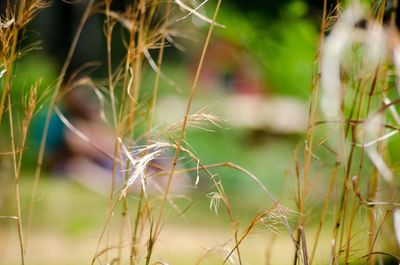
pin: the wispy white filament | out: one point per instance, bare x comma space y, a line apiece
7, 24
380, 164
157, 69
215, 199
139, 163
194, 10
197, 14
2, 72
382, 138
392, 109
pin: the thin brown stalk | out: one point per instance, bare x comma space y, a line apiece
134, 252
17, 178
248, 230
9, 63
128, 61
312, 119
104, 230
108, 33
137, 70
133, 97
235, 223
109, 30
180, 140
52, 105
123, 221
333, 178
158, 73
150, 117
342, 206
360, 166
304, 246
31, 104
374, 235
224, 198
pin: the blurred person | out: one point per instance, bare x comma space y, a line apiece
92, 163
89, 163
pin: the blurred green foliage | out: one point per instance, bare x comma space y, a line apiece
34, 68
283, 45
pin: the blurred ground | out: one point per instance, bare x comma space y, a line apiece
69, 218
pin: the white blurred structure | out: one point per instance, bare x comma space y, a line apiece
281, 115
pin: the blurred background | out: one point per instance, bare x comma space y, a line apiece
262, 59
256, 79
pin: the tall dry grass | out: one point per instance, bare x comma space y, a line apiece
149, 26
353, 117
356, 64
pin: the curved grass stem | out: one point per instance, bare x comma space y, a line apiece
182, 133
